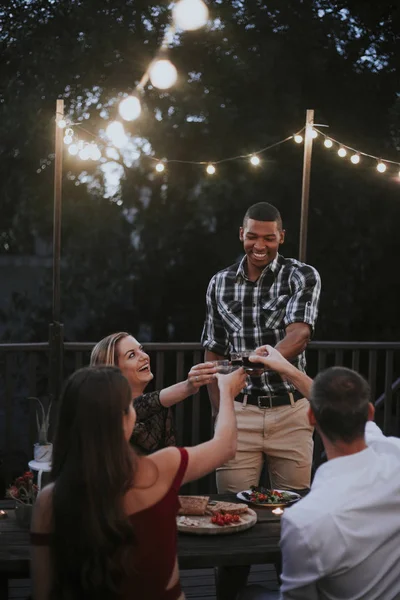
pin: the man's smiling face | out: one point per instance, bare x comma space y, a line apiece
261, 241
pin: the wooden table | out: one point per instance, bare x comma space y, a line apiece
257, 545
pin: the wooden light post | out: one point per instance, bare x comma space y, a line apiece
305, 192
56, 338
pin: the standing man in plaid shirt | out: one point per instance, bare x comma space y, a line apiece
264, 299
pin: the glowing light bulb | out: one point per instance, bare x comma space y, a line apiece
381, 167
115, 131
355, 159
210, 169
67, 139
130, 108
62, 123
314, 134
328, 143
255, 161
160, 167
84, 154
94, 152
162, 74
298, 138
190, 14
69, 132
342, 152
73, 149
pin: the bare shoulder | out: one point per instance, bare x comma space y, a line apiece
43, 510
167, 460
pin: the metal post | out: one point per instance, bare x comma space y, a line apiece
305, 192
56, 341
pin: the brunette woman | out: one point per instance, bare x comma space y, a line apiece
105, 528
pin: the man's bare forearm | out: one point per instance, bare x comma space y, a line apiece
300, 380
295, 341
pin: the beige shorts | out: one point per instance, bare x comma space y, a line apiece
283, 434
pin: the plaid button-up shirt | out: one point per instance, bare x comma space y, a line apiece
243, 314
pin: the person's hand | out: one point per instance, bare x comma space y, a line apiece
271, 358
201, 374
233, 382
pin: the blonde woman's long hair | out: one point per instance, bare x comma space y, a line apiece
105, 351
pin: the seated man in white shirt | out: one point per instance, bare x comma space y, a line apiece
342, 541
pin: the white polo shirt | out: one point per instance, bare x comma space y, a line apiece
342, 541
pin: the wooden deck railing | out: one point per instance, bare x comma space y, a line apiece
25, 370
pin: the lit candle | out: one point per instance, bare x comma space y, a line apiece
3, 514
278, 511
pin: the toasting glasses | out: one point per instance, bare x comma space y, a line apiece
241, 359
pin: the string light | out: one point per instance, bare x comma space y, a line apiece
67, 139
298, 138
73, 149
62, 123
255, 161
115, 132
328, 143
130, 108
190, 14
210, 169
84, 154
381, 167
314, 134
160, 167
94, 152
355, 159
162, 74
342, 152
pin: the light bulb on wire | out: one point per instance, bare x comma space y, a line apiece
162, 74
130, 108
255, 161
314, 134
355, 159
328, 143
62, 123
84, 154
298, 138
381, 167
342, 152
210, 169
160, 167
190, 14
73, 149
116, 133
94, 152
67, 139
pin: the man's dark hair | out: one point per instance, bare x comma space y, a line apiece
262, 211
339, 400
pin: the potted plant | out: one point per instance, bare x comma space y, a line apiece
43, 449
24, 492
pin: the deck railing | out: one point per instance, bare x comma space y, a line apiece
26, 369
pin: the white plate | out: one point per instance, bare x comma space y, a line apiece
293, 498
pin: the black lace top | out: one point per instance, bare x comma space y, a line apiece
154, 427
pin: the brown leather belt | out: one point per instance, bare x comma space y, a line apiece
269, 401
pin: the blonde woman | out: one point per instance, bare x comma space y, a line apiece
154, 427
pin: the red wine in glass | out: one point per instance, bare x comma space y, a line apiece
256, 369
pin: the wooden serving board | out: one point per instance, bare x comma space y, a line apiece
205, 527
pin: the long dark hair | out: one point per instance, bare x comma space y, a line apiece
93, 467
